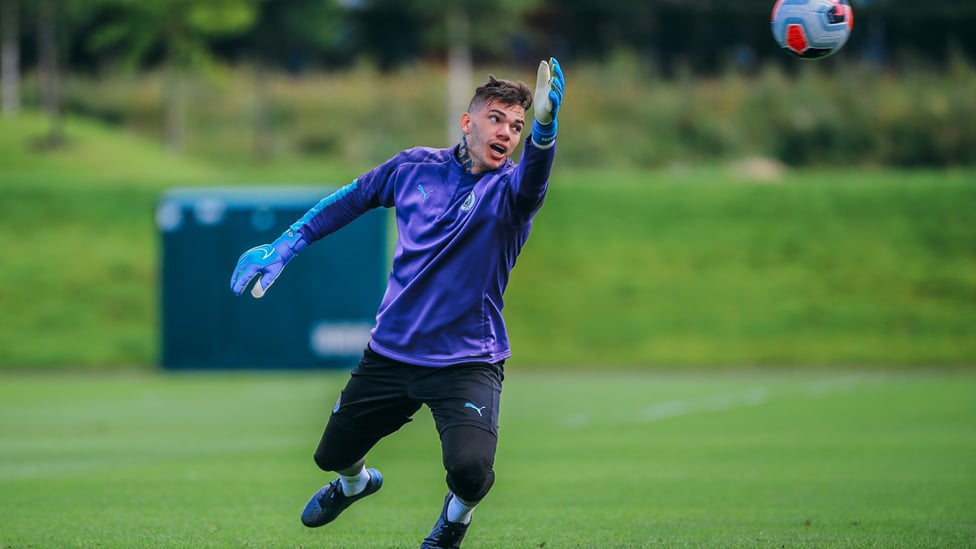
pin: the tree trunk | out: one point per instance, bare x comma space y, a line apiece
458, 72
173, 108
9, 58
50, 81
263, 137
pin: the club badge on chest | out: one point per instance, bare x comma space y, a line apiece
468, 202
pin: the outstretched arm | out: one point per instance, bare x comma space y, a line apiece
539, 151
263, 264
550, 86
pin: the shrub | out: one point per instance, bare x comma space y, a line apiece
618, 114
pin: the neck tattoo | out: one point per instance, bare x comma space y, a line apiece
463, 156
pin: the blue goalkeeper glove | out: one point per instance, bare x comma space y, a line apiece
549, 88
265, 263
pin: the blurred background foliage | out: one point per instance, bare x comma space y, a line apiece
652, 83
662, 244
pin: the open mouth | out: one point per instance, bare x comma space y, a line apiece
497, 148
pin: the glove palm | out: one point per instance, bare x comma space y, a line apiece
550, 87
264, 263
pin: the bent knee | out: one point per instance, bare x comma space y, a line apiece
326, 461
469, 468
470, 477
328, 458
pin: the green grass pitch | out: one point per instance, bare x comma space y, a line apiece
750, 459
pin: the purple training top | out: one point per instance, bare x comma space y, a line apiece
459, 235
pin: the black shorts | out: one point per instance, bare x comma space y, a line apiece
382, 395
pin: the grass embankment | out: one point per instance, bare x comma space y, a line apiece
826, 268
625, 268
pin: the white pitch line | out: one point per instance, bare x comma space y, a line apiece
720, 402
681, 407
713, 403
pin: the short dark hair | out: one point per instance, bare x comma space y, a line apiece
506, 92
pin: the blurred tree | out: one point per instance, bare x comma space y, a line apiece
708, 36
178, 34
284, 33
459, 68
10, 57
48, 71
55, 21
497, 24
387, 32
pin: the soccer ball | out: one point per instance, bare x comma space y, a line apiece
812, 29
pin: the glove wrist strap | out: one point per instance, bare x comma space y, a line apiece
544, 135
291, 240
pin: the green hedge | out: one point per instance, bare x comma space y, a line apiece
616, 114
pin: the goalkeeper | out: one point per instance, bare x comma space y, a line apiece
462, 214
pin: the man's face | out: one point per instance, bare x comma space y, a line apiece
492, 133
